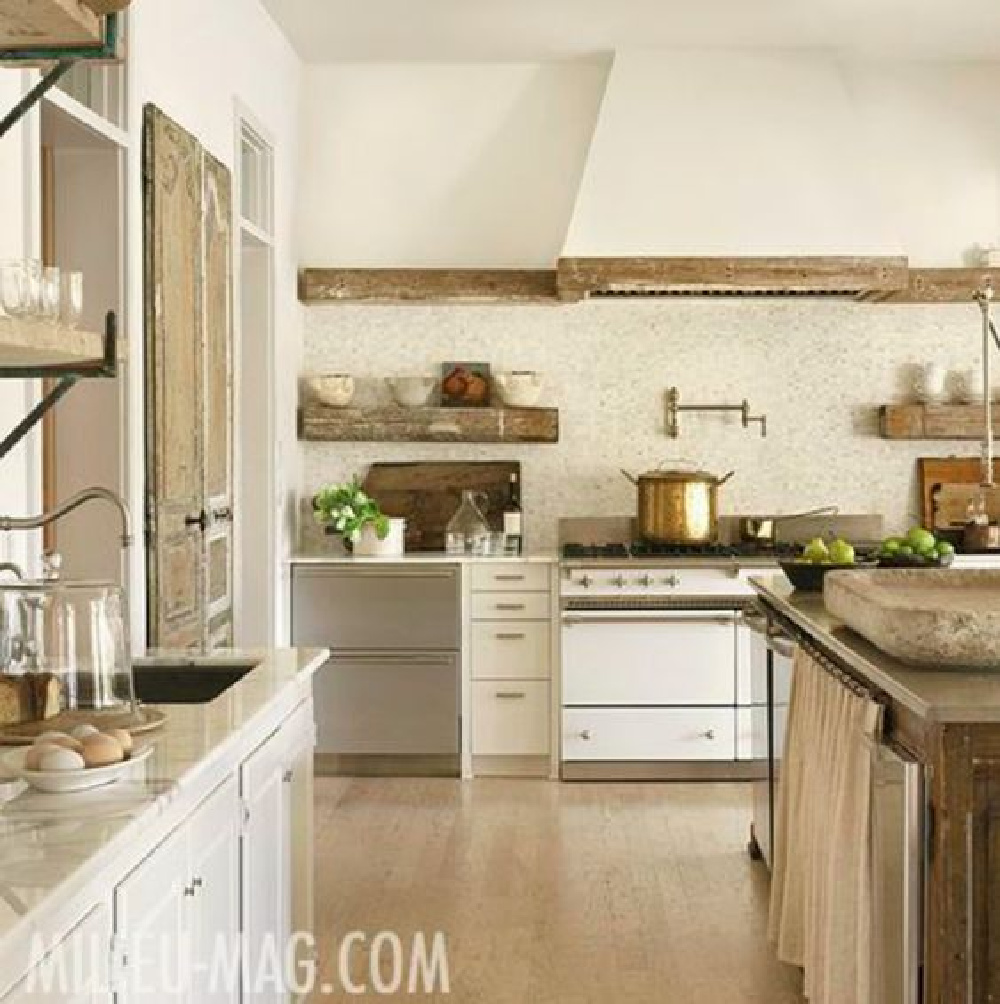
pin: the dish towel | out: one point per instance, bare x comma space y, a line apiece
821, 892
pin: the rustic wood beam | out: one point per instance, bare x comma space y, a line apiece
430, 285
940, 285
579, 277
319, 423
935, 421
43, 23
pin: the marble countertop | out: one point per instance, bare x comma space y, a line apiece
51, 845
422, 558
938, 695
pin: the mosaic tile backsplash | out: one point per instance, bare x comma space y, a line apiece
817, 369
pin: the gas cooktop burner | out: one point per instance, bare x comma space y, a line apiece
650, 549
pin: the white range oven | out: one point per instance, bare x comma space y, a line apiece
656, 669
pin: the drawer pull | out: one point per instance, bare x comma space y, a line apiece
585, 735
709, 734
510, 636
509, 578
510, 695
510, 606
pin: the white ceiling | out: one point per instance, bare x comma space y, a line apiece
485, 30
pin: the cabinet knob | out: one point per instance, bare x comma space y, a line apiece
189, 890
708, 734
585, 735
197, 882
288, 776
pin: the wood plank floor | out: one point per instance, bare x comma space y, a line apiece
551, 893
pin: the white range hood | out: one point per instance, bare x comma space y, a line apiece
729, 172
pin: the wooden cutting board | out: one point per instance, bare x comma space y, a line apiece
429, 494
946, 487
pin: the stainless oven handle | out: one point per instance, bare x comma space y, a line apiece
393, 658
377, 571
575, 617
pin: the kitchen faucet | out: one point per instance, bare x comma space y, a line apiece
95, 494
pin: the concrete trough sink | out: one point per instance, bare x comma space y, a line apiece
934, 619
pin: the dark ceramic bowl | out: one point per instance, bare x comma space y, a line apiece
914, 561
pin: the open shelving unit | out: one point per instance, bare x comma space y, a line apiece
54, 35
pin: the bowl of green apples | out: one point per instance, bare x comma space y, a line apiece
806, 572
919, 548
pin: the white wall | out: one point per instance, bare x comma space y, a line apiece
425, 165
708, 152
198, 62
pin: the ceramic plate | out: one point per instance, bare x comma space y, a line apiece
72, 780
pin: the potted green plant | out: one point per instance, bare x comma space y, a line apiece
348, 511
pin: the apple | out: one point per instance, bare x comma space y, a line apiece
841, 553
816, 551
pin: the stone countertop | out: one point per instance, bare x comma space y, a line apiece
956, 696
51, 846
421, 558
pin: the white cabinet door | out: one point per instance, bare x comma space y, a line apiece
152, 916
265, 781
56, 979
214, 833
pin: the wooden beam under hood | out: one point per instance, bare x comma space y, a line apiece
818, 275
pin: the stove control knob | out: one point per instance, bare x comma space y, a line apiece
645, 580
672, 580
586, 581
619, 581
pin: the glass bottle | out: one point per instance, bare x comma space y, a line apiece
467, 531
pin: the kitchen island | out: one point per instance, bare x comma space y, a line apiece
949, 722
209, 837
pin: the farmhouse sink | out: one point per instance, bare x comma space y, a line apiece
173, 682
928, 618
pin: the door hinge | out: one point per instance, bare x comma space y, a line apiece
118, 963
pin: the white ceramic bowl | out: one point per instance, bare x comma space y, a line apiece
57, 781
333, 389
519, 390
412, 391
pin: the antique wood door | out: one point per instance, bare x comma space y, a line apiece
188, 235
218, 402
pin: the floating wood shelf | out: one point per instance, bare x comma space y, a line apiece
48, 24
320, 423
935, 421
38, 346
939, 285
427, 285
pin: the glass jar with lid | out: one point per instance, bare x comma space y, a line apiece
467, 531
65, 656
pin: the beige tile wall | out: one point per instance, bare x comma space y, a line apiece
817, 368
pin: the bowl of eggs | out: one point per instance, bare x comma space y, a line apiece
77, 760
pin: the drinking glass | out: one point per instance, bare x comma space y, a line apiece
49, 295
33, 287
71, 301
13, 289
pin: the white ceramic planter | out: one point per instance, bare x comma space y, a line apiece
369, 545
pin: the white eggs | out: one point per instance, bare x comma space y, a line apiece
82, 731
58, 758
33, 758
68, 743
100, 750
49, 737
124, 737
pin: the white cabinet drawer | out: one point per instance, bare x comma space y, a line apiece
513, 650
680, 659
649, 734
510, 719
510, 577
510, 607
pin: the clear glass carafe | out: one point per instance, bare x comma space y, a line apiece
467, 531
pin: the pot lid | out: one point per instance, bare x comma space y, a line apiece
681, 475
